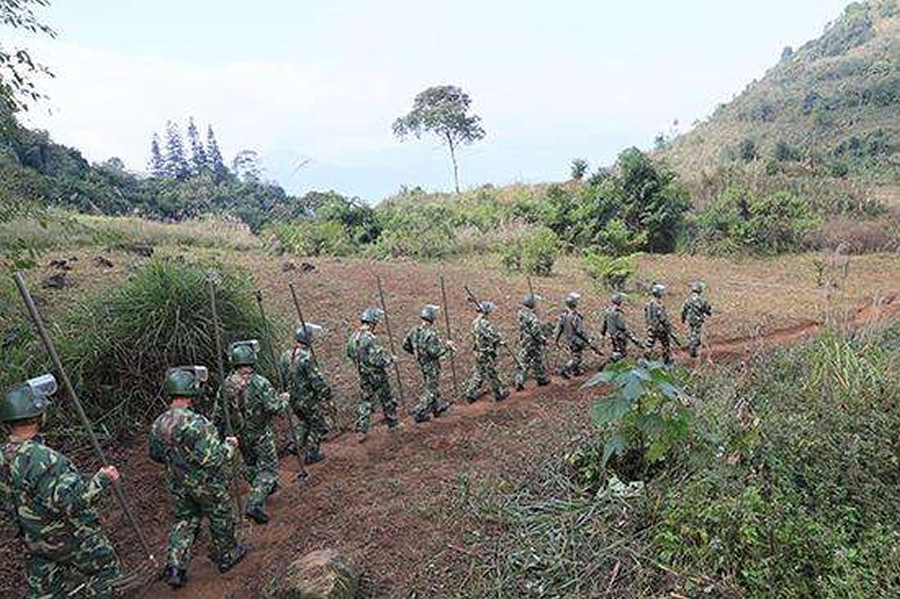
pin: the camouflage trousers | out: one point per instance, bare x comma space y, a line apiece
619, 345
484, 369
662, 336
531, 355
430, 401
191, 506
375, 387
310, 426
92, 564
694, 340
573, 366
260, 467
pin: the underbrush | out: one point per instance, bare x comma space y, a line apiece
788, 486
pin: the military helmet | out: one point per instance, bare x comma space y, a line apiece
429, 312
243, 353
371, 315
657, 289
530, 300
617, 298
698, 286
571, 299
185, 381
485, 306
28, 399
306, 332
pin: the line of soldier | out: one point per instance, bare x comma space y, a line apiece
53, 505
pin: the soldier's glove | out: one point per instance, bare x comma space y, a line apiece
284, 397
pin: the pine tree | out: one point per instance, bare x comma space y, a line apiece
176, 164
214, 156
157, 166
198, 153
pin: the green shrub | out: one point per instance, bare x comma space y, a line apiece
533, 253
609, 272
310, 238
579, 168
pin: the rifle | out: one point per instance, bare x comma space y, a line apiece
387, 324
312, 350
67, 384
302, 474
226, 409
512, 354
587, 342
449, 335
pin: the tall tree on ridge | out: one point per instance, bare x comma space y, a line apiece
214, 156
198, 153
176, 164
157, 165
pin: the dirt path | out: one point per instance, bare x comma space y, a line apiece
390, 502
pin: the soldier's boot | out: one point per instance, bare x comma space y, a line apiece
392, 423
314, 455
440, 408
543, 382
519, 381
275, 488
257, 513
236, 557
501, 395
175, 577
420, 417
470, 399
564, 372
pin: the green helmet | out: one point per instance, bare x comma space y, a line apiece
657, 289
371, 315
485, 307
28, 399
698, 286
429, 312
617, 298
530, 300
306, 332
572, 298
243, 353
185, 381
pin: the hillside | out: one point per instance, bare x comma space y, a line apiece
832, 104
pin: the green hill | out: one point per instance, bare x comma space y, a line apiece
829, 107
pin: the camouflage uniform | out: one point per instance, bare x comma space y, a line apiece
197, 474
486, 341
253, 406
570, 326
308, 390
695, 312
372, 360
531, 348
428, 348
43, 493
658, 329
615, 326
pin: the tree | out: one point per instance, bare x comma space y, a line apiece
176, 164
157, 165
214, 156
17, 90
246, 166
444, 111
198, 154
579, 168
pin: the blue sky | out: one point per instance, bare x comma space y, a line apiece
323, 80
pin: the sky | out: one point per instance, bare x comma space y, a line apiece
321, 81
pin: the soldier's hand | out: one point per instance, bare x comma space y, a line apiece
284, 396
111, 472
232, 441
451, 345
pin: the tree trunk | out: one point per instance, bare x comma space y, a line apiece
455, 165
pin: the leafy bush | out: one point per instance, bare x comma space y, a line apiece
533, 253
610, 272
579, 168
310, 238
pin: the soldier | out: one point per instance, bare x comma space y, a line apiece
308, 391
532, 340
486, 340
372, 360
658, 326
570, 326
43, 493
196, 462
424, 342
694, 312
615, 326
253, 405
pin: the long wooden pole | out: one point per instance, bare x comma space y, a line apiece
387, 324
449, 335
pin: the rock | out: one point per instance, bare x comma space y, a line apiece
288, 266
103, 262
57, 281
307, 267
60, 264
324, 574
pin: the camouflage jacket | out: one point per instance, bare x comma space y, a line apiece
43, 493
190, 448
370, 357
530, 330
656, 317
252, 405
614, 323
486, 339
425, 344
570, 326
303, 377
695, 310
